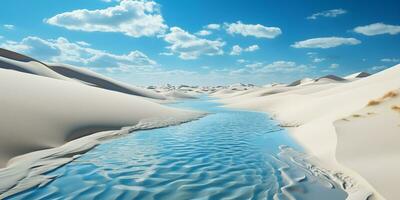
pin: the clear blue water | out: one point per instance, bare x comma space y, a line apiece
225, 155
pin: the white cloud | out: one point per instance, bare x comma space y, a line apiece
254, 65
378, 68
325, 42
166, 54
61, 50
83, 43
285, 66
328, 13
9, 26
204, 33
241, 60
378, 29
237, 50
334, 66
390, 60
256, 30
318, 60
189, 46
213, 26
133, 18
315, 58
252, 48
280, 66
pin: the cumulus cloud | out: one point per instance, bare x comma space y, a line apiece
256, 30
328, 13
9, 26
204, 33
133, 18
189, 46
61, 50
213, 26
390, 60
378, 29
237, 50
325, 42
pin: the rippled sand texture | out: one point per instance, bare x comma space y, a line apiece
228, 154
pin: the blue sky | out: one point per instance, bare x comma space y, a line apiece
172, 41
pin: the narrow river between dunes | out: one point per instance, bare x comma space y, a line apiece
229, 154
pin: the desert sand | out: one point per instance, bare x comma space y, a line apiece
49, 118
53, 112
363, 147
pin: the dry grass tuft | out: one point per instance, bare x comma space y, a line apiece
390, 94
396, 108
356, 115
375, 102
371, 113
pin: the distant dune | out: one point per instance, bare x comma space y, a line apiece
357, 75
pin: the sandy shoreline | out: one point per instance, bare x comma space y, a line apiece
26, 171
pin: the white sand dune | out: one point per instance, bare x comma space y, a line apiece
40, 113
14, 61
377, 128
329, 79
18, 62
57, 111
311, 111
98, 80
175, 94
303, 81
357, 75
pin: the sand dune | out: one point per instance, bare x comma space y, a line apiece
41, 113
312, 109
18, 62
303, 81
377, 128
98, 80
14, 61
175, 94
329, 79
357, 75
55, 112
